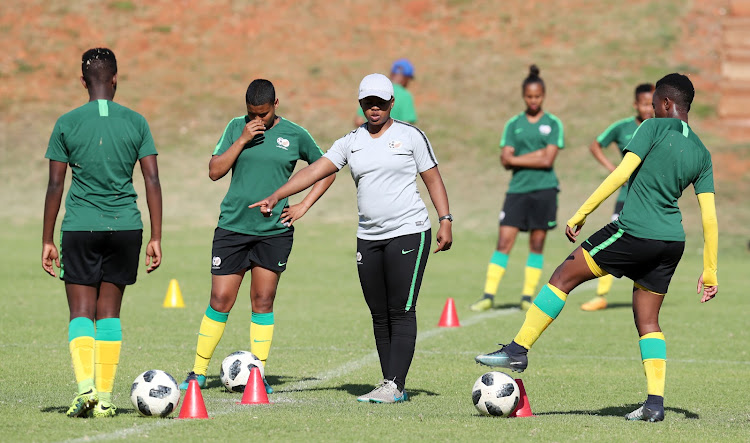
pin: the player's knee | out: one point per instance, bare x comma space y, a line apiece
222, 301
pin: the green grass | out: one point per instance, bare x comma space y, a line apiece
584, 372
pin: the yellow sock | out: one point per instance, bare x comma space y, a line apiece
81, 345
532, 274
604, 285
546, 307
209, 335
261, 335
107, 347
654, 355
495, 272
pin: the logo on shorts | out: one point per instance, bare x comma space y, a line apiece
359, 258
394, 144
551, 224
502, 215
216, 262
282, 143
545, 129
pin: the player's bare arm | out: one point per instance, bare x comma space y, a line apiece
540, 159
150, 170
300, 181
598, 152
295, 212
505, 155
439, 196
52, 202
220, 164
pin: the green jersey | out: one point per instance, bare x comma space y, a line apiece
101, 141
403, 107
527, 137
619, 132
672, 157
264, 165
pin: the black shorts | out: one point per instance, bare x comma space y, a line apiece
530, 210
618, 209
233, 252
91, 257
649, 263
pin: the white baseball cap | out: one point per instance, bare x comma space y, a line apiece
376, 85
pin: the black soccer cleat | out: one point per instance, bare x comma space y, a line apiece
505, 357
651, 413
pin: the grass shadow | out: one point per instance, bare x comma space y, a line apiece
620, 411
357, 389
64, 409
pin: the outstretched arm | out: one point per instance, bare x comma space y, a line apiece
612, 183
708, 282
150, 171
439, 196
52, 203
300, 181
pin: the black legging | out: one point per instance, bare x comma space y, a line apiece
390, 272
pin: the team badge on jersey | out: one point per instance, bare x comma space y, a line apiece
545, 129
282, 143
394, 144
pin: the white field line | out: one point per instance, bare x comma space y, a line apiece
321, 378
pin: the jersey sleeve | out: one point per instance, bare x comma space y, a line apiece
226, 138
642, 140
609, 135
309, 150
56, 149
557, 134
147, 146
705, 181
508, 138
339, 152
424, 156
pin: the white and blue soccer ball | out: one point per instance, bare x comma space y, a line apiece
235, 370
155, 393
496, 394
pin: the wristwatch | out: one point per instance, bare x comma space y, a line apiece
448, 217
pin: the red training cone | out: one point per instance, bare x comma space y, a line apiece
193, 406
449, 318
524, 408
255, 390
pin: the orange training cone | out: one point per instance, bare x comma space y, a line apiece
193, 406
255, 390
174, 296
449, 319
524, 408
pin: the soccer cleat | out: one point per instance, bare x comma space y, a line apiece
645, 413
525, 302
83, 403
201, 379
483, 304
516, 362
269, 389
103, 409
595, 304
385, 392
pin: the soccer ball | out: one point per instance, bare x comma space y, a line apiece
235, 370
155, 393
496, 394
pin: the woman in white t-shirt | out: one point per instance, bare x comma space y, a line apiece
394, 233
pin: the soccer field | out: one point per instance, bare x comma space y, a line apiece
584, 373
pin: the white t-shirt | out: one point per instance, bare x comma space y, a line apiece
384, 170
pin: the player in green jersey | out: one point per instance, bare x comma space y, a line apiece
619, 132
101, 233
529, 144
402, 73
644, 244
261, 149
